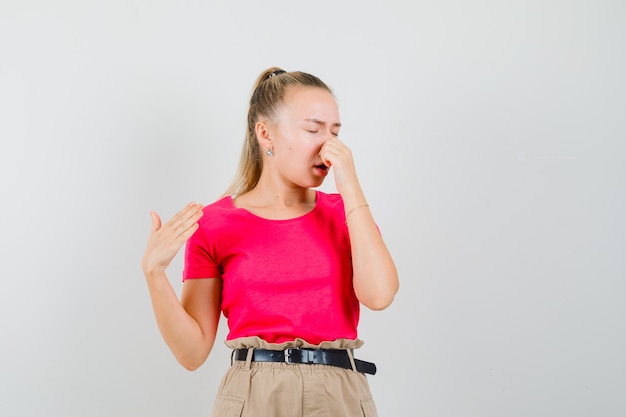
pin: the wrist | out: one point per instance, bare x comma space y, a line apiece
352, 210
153, 273
352, 201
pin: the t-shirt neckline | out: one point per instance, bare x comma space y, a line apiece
250, 214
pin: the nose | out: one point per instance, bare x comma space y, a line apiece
327, 134
324, 137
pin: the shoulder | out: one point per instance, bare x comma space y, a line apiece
216, 212
331, 201
330, 206
222, 204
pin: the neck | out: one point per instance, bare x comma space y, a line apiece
270, 195
277, 200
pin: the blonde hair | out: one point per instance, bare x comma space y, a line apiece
267, 97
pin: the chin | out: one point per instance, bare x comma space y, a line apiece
312, 184
318, 183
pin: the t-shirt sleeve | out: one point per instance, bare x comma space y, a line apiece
199, 261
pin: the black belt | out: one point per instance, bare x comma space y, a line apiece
333, 357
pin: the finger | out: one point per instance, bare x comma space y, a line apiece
329, 156
182, 232
193, 209
179, 218
185, 212
325, 154
325, 159
183, 224
156, 221
187, 233
335, 150
190, 216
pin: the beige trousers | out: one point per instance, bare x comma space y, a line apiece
270, 389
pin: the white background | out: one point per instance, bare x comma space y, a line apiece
489, 138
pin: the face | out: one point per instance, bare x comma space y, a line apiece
306, 120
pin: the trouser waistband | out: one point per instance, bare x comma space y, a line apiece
333, 357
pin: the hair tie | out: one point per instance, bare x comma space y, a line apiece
275, 73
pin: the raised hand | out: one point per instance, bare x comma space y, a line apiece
336, 154
166, 240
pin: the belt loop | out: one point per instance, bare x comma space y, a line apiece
351, 357
249, 358
232, 357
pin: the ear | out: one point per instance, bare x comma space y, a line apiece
262, 130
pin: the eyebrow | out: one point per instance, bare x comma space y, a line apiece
321, 122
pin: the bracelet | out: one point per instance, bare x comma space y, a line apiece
356, 208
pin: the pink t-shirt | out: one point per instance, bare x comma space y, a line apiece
282, 279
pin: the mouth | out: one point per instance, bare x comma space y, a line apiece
321, 169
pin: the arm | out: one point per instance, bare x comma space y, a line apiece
375, 277
188, 326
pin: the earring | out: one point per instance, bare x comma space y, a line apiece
269, 152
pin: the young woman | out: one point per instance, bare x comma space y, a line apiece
288, 265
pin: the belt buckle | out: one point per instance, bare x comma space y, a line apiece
288, 353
